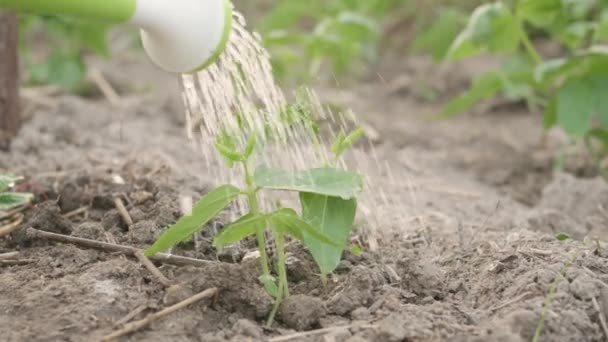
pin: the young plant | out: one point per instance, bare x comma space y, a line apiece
569, 90
8, 199
327, 197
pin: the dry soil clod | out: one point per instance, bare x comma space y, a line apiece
109, 247
137, 325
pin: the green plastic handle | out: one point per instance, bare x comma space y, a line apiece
115, 11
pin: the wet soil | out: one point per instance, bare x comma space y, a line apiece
465, 249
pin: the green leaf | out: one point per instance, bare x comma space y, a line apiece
270, 284
356, 250
287, 221
343, 143
332, 216
10, 200
550, 115
250, 147
579, 100
484, 87
576, 34
562, 237
323, 181
540, 13
437, 39
491, 27
203, 211
8, 181
242, 228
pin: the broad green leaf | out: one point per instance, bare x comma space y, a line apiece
484, 87
579, 100
576, 34
203, 211
287, 221
601, 31
540, 13
437, 39
7, 181
323, 181
562, 237
332, 216
10, 200
491, 27
242, 228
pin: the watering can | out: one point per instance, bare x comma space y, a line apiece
180, 36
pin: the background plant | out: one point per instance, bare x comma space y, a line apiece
9, 199
569, 90
328, 201
58, 58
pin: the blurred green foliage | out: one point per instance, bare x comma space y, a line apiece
303, 35
52, 49
570, 89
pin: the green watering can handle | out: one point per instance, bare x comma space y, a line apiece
114, 11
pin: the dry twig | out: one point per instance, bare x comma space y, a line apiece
153, 269
76, 212
9, 255
105, 87
137, 325
11, 227
16, 262
110, 247
122, 210
600, 313
321, 331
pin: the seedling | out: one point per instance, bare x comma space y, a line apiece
328, 200
8, 199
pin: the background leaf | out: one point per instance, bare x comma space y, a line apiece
323, 181
10, 200
333, 217
7, 181
204, 210
579, 100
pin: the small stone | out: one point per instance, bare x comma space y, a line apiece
144, 232
360, 314
111, 219
48, 217
89, 230
175, 294
302, 312
247, 328
140, 197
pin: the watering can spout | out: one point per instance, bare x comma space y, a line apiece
181, 36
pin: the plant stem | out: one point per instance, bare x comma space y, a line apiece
252, 199
280, 240
283, 288
525, 39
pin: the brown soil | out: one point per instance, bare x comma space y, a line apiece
467, 249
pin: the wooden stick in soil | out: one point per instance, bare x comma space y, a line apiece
124, 213
17, 262
321, 331
9, 255
110, 247
10, 117
137, 325
11, 227
153, 269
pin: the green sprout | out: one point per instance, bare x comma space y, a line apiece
328, 203
8, 199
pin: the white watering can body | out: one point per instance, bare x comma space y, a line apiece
181, 36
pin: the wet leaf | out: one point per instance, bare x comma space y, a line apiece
203, 211
333, 217
323, 181
242, 228
287, 221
